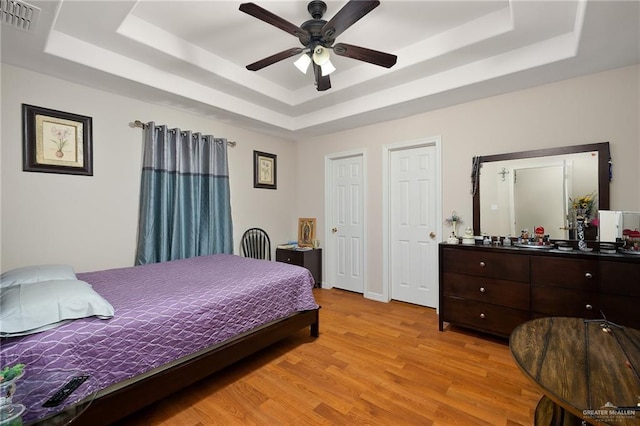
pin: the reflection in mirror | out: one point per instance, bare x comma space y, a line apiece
526, 193
620, 226
530, 189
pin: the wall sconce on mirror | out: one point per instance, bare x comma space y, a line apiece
503, 172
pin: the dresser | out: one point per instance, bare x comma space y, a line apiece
310, 259
494, 289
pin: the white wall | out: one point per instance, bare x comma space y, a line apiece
595, 108
91, 222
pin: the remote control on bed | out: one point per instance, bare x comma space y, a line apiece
65, 391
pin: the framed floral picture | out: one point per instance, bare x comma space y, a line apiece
56, 141
306, 231
264, 170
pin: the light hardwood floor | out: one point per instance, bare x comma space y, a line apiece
374, 363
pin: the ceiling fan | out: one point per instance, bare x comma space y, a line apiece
317, 36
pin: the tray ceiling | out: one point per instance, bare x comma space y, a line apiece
191, 55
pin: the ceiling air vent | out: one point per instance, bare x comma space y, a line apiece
19, 14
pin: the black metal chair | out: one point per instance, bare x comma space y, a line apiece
255, 243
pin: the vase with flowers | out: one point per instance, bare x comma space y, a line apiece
584, 210
584, 207
453, 221
9, 412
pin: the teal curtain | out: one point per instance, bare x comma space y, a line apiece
185, 203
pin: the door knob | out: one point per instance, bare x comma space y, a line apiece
334, 230
432, 235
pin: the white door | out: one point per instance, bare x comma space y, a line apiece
414, 246
347, 223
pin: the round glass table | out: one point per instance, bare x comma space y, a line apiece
34, 390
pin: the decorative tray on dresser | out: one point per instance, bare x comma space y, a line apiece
494, 289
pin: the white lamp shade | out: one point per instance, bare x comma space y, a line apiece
327, 68
302, 63
320, 55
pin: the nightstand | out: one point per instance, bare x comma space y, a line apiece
310, 259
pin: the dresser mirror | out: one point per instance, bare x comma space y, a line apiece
528, 189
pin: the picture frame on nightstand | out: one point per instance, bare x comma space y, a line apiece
306, 231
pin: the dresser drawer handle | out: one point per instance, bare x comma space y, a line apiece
588, 275
288, 259
483, 316
482, 264
483, 290
589, 307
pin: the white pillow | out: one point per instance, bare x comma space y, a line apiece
35, 307
37, 273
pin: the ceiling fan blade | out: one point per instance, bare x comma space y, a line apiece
347, 16
322, 82
258, 65
270, 18
375, 57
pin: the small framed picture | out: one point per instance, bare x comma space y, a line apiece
264, 170
306, 231
56, 141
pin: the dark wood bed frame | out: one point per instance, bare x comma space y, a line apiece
108, 408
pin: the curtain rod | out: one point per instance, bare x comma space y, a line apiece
139, 123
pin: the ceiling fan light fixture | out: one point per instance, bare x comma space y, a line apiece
320, 55
327, 68
302, 63
318, 37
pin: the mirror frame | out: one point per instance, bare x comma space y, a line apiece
604, 161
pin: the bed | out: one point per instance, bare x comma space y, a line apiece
174, 323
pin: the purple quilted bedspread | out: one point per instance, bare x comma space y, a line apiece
164, 312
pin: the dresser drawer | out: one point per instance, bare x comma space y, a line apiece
563, 302
563, 272
620, 278
511, 294
293, 257
482, 316
500, 265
